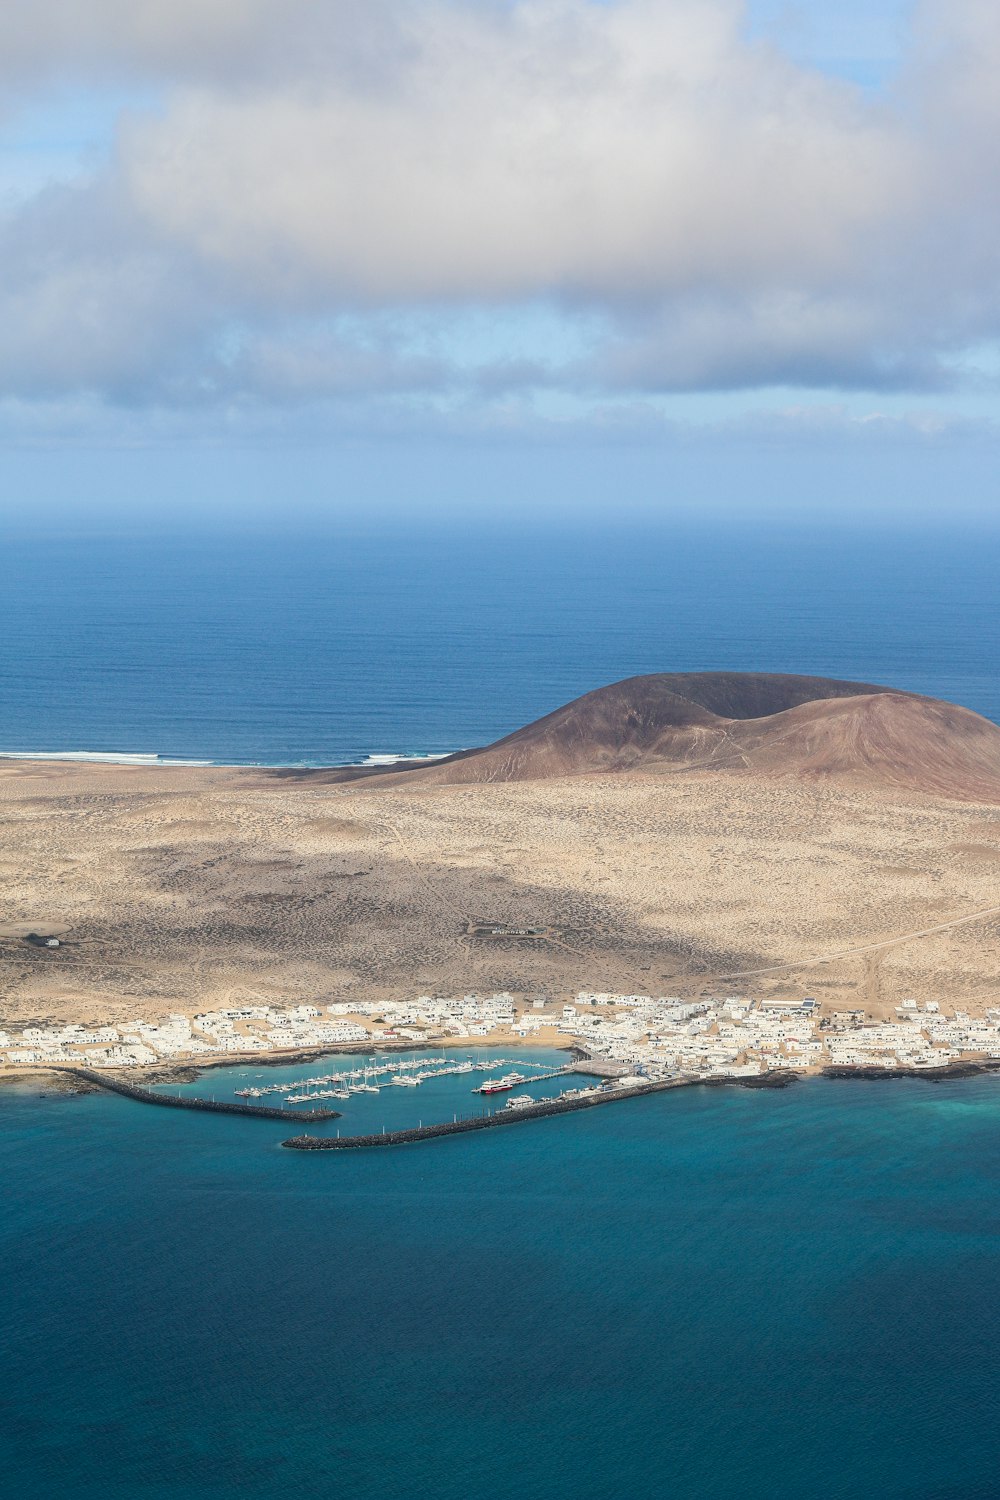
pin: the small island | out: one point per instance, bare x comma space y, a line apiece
701, 877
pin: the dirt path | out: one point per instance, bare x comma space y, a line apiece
421, 876
893, 942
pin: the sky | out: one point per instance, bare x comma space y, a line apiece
700, 255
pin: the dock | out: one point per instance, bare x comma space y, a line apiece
599, 1067
188, 1101
377, 1075
544, 1109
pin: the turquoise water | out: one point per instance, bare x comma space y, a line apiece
433, 1102
710, 1293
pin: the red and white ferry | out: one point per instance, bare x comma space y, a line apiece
501, 1085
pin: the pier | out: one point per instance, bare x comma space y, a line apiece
181, 1101
542, 1110
376, 1075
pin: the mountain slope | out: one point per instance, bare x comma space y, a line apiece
769, 723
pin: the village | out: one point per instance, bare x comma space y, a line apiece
731, 1036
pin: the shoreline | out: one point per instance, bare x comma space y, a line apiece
190, 1071
374, 762
549, 1108
963, 1068
78, 1081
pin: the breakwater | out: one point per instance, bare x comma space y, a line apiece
544, 1109
180, 1101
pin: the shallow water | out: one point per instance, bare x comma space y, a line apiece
703, 1294
432, 1102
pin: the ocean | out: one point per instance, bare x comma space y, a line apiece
704, 1294
708, 1294
324, 649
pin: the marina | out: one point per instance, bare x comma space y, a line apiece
371, 1093
406, 1073
513, 1112
379, 1115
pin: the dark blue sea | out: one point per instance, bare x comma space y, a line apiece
705, 1294
702, 1295
325, 648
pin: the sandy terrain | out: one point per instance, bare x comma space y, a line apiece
185, 889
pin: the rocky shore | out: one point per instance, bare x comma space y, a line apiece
965, 1068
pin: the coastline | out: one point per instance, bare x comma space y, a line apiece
374, 762
963, 1068
190, 1071
549, 1108
71, 1081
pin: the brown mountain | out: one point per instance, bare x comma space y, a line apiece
764, 722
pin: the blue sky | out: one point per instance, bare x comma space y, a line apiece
862, 41
684, 249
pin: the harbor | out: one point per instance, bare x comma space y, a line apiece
390, 1099
441, 1081
377, 1074
514, 1112
402, 1100
376, 1093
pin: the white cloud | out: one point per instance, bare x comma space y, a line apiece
722, 216
619, 153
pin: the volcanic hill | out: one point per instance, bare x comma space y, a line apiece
673, 834
768, 723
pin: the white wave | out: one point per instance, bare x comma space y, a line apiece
110, 757
395, 760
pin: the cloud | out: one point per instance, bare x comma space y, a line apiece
315, 176
223, 43
45, 37
787, 337
622, 153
